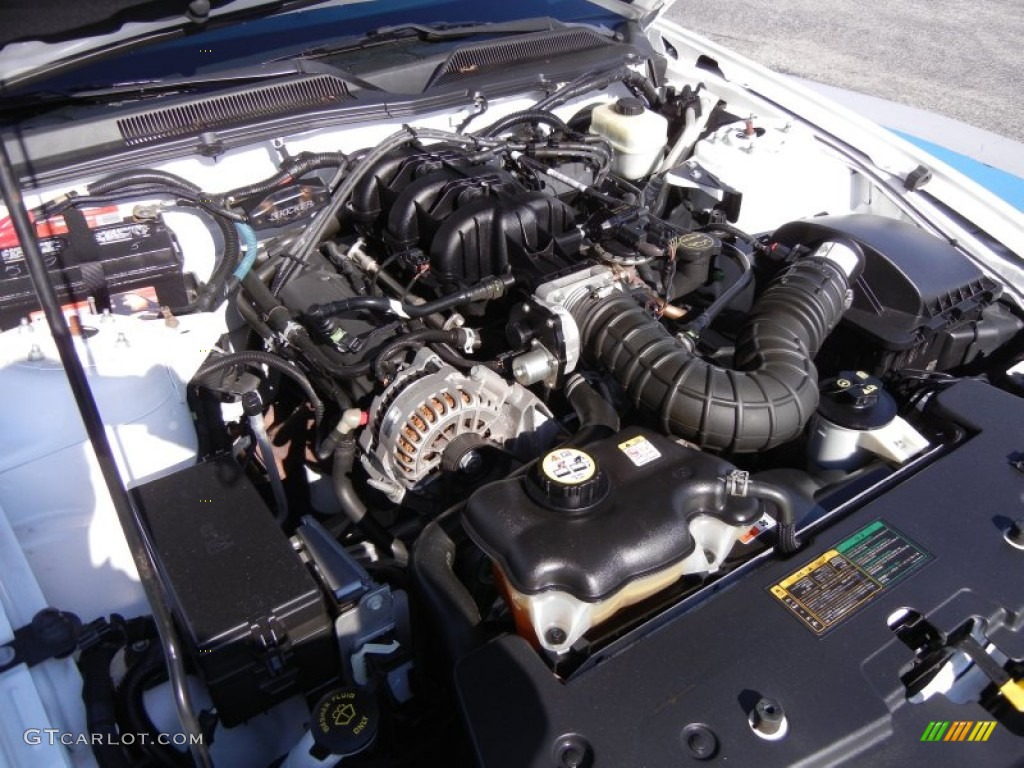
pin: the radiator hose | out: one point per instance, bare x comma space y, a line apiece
773, 391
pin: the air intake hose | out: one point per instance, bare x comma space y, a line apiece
772, 393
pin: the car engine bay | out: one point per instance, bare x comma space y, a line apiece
444, 428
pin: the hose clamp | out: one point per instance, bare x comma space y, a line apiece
470, 340
737, 483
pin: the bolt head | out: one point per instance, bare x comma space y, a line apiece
572, 757
555, 635
471, 462
768, 716
700, 741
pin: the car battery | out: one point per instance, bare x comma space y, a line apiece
94, 258
254, 620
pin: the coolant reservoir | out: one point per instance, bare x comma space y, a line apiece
637, 135
590, 532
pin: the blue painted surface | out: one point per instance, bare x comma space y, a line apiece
257, 40
1001, 183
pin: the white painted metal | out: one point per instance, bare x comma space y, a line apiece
782, 172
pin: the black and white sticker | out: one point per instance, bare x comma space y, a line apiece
569, 466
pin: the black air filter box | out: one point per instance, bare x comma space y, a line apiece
920, 303
252, 615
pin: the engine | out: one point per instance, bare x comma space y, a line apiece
531, 383
587, 304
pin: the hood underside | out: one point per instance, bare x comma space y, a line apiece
36, 38
66, 20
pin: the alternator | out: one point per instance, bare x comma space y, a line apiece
431, 403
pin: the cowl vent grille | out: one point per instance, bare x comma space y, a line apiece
233, 109
472, 60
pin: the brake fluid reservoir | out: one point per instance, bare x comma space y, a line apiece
637, 135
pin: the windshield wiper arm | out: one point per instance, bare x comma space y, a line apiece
438, 32
445, 31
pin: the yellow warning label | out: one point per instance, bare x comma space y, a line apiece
836, 583
808, 569
640, 450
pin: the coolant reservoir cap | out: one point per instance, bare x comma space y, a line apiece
629, 106
569, 479
856, 400
345, 721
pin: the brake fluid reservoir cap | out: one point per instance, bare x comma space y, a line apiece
345, 721
570, 480
856, 400
694, 246
629, 106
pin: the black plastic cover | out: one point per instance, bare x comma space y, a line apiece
640, 527
488, 237
916, 297
254, 618
704, 665
423, 205
378, 189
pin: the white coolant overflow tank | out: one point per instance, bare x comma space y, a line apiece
637, 135
856, 419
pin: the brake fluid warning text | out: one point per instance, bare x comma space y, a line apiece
858, 569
